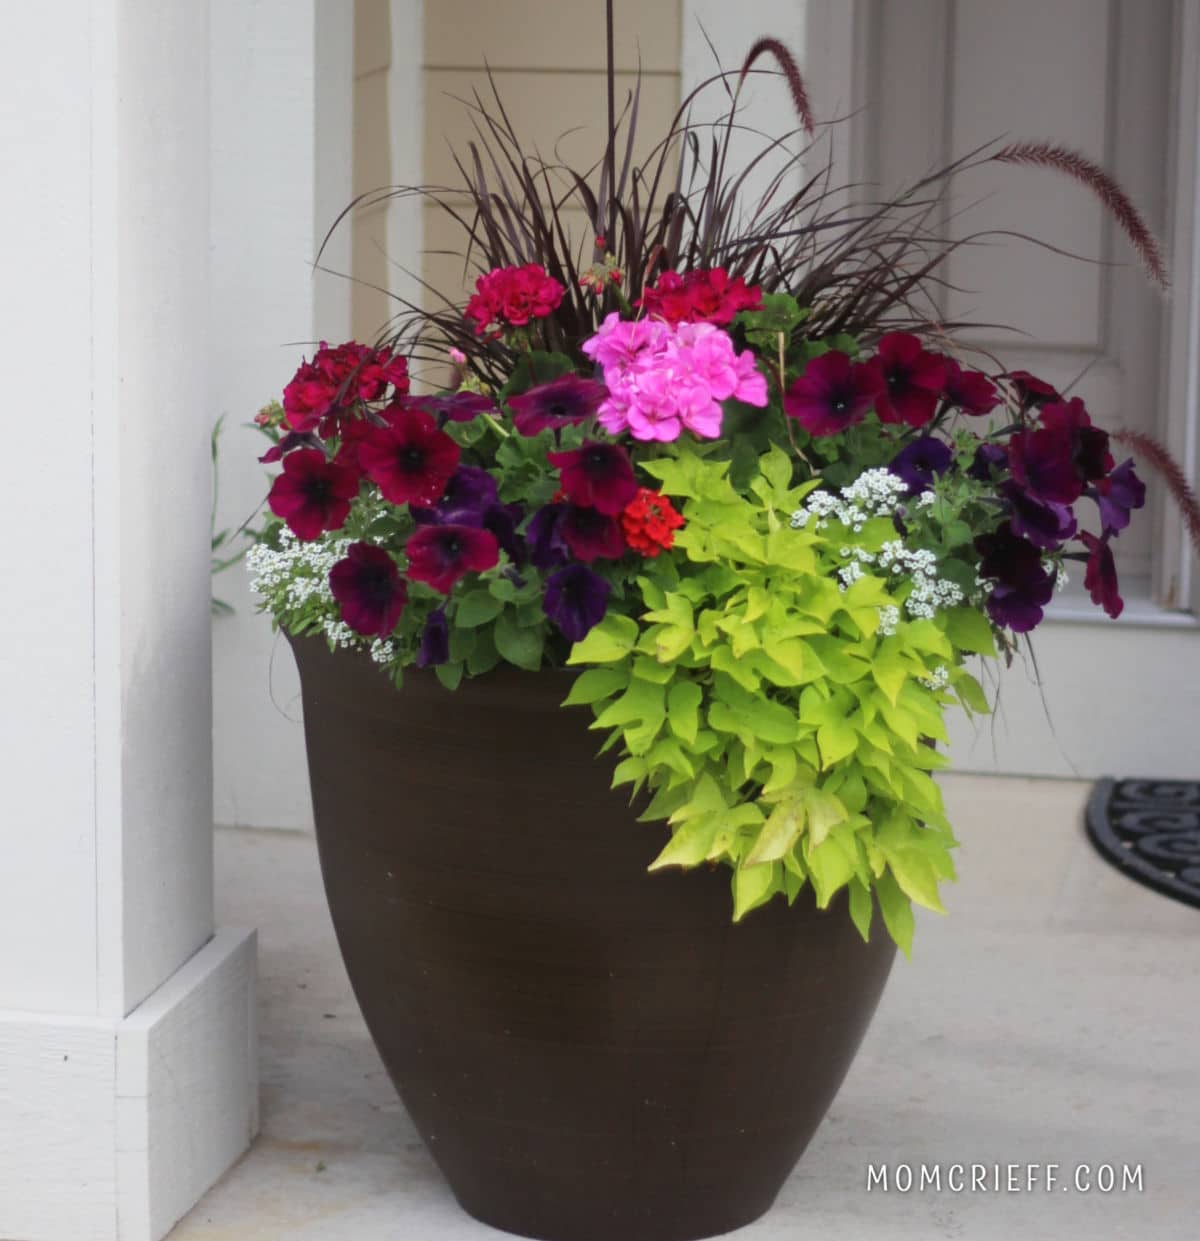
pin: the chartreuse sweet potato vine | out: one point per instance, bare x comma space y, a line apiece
775, 723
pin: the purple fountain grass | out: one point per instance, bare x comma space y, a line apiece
1104, 186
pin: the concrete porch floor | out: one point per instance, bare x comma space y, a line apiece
1051, 1018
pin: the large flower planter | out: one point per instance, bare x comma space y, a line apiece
591, 1052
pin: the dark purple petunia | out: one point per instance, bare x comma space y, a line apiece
1031, 391
832, 394
470, 492
502, 520
440, 555
369, 590
988, 457
410, 459
458, 407
911, 378
590, 534
1044, 523
1100, 577
547, 547
313, 494
435, 640
562, 402
969, 391
1022, 587
921, 462
576, 600
596, 475
1117, 496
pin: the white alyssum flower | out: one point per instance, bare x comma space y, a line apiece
299, 567
874, 493
938, 679
889, 619
383, 650
1061, 579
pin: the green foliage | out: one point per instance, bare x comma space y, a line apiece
768, 716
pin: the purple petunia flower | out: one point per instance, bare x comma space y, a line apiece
1117, 496
1022, 587
590, 534
921, 462
440, 555
1044, 523
470, 492
832, 394
435, 640
547, 547
596, 475
369, 590
563, 402
988, 457
576, 600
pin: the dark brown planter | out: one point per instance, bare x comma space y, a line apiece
591, 1053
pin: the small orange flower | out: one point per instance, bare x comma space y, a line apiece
649, 522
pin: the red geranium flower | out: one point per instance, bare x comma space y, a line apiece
649, 522
832, 394
912, 379
410, 459
440, 555
312, 494
369, 590
512, 296
707, 295
596, 475
973, 393
336, 378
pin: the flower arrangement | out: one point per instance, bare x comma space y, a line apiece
725, 461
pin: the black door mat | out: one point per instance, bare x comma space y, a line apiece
1150, 829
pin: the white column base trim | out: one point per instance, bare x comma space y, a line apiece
112, 1130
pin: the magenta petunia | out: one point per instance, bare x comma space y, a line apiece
457, 407
410, 459
1100, 577
441, 555
312, 494
369, 590
562, 402
1031, 391
596, 475
832, 394
911, 379
1089, 444
590, 534
969, 391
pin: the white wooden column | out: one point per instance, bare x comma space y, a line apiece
127, 1072
282, 143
